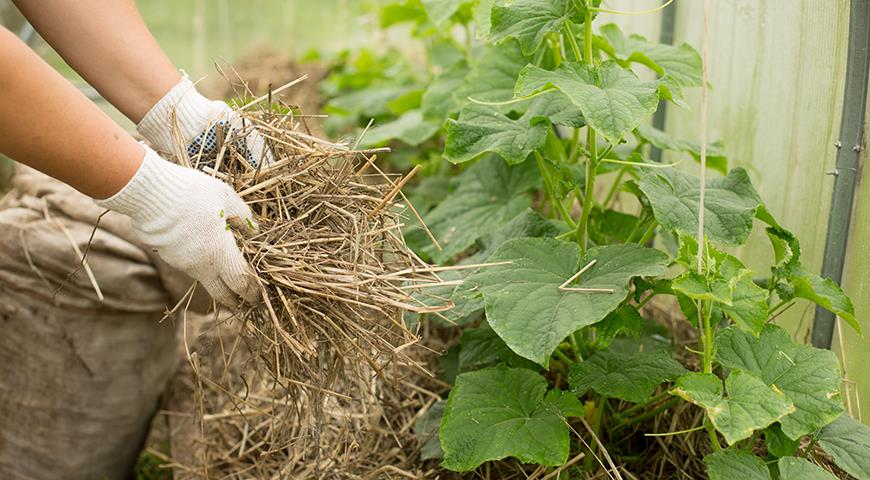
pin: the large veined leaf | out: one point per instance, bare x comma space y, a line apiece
524, 304
794, 468
502, 412
529, 21
494, 74
466, 299
410, 128
794, 280
481, 347
679, 66
613, 100
749, 406
716, 158
632, 378
808, 376
482, 129
848, 441
730, 203
733, 464
440, 98
490, 194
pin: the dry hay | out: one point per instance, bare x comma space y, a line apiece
321, 379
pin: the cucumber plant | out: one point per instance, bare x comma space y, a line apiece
543, 118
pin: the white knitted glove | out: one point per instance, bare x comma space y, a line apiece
183, 214
199, 120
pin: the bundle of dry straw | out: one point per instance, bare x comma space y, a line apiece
321, 378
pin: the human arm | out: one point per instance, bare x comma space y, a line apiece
110, 46
48, 124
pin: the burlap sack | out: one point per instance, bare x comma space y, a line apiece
80, 377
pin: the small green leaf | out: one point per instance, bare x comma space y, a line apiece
525, 306
613, 100
750, 405
777, 443
482, 129
808, 376
794, 468
489, 195
529, 21
794, 280
624, 320
504, 412
716, 158
735, 465
633, 378
848, 441
558, 109
426, 430
730, 203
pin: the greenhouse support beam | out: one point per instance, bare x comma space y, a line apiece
849, 147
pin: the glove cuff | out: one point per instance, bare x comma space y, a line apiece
185, 107
150, 193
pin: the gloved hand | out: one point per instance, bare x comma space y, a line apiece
199, 120
183, 214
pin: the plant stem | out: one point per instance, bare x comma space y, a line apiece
615, 186
649, 234
592, 160
714, 440
705, 310
640, 406
596, 427
569, 34
652, 413
564, 357
551, 194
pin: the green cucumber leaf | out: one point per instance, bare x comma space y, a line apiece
750, 405
808, 376
730, 203
777, 443
440, 11
558, 109
716, 159
439, 100
489, 195
401, 12
410, 128
502, 412
613, 100
736, 465
481, 129
529, 21
848, 441
494, 74
481, 11
794, 280
426, 430
681, 63
794, 468
481, 347
625, 320
633, 378
524, 304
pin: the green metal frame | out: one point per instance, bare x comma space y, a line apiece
849, 147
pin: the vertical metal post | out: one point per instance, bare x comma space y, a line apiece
849, 146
